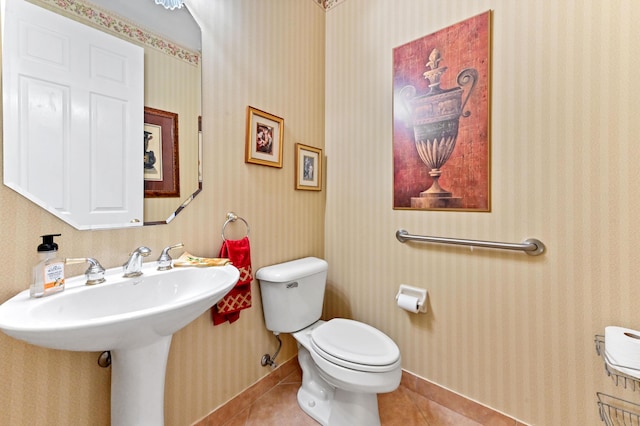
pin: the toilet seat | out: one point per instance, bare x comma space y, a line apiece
355, 345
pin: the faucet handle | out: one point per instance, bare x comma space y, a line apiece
164, 260
95, 272
133, 266
142, 251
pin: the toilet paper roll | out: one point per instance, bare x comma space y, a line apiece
622, 347
408, 303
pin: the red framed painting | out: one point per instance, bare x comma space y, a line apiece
441, 119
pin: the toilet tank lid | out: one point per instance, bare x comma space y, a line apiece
292, 270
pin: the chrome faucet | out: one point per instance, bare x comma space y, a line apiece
133, 266
95, 272
164, 261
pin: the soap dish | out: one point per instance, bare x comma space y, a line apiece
187, 259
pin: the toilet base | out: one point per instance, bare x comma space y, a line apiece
332, 406
345, 409
315, 395
317, 409
354, 409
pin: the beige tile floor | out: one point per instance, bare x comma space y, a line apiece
403, 407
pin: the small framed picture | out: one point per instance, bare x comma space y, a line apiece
264, 138
308, 168
161, 163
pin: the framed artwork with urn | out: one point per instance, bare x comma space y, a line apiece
441, 120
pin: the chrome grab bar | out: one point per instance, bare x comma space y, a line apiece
531, 246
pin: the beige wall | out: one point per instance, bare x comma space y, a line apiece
511, 331
267, 56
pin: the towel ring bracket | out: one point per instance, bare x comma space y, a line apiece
232, 217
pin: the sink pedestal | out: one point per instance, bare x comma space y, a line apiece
134, 318
137, 384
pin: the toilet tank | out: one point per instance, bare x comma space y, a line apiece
292, 293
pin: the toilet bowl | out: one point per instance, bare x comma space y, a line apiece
348, 363
345, 363
355, 356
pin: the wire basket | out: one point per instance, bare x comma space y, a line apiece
619, 378
618, 412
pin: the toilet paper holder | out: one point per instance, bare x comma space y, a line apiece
418, 293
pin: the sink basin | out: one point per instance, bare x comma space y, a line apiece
120, 313
134, 318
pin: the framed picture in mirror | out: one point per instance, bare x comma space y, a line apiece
161, 165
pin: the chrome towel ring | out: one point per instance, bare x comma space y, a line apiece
232, 217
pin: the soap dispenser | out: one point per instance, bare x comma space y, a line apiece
48, 274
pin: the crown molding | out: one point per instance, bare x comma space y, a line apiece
327, 4
88, 13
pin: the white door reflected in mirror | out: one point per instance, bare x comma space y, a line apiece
81, 161
73, 107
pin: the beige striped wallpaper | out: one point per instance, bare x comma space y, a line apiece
510, 331
270, 56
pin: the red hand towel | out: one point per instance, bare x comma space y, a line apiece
229, 307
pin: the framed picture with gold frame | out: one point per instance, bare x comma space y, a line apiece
264, 138
308, 168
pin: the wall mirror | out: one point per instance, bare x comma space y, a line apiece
170, 133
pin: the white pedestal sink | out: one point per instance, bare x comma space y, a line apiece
134, 318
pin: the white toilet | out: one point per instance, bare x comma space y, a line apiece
345, 363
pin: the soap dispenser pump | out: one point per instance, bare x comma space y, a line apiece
48, 274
